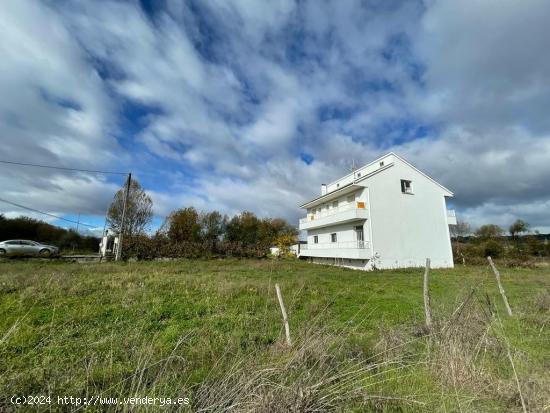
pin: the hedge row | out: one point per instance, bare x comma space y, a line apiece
143, 247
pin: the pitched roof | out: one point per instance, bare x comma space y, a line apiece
346, 188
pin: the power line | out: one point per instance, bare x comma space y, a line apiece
63, 168
46, 213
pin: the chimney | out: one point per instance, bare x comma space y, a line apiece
323, 189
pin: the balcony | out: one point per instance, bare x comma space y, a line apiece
339, 215
451, 217
344, 249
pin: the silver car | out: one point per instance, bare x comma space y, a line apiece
26, 247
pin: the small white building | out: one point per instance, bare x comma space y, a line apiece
387, 214
292, 250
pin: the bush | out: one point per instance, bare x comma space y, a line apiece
143, 247
471, 253
188, 233
492, 249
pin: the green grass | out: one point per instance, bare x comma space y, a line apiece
174, 328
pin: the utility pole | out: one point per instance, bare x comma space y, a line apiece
77, 225
121, 233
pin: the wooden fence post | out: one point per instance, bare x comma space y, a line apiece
427, 309
500, 288
283, 311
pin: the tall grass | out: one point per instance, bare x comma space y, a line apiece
212, 332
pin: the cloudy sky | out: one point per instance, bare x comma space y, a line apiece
251, 105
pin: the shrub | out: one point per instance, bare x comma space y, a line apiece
489, 231
143, 247
493, 249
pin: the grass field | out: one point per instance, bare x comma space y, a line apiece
211, 331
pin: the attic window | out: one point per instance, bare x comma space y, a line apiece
382, 163
406, 186
358, 174
337, 185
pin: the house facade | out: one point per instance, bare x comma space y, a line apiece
386, 214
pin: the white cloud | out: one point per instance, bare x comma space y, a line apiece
54, 110
486, 62
233, 92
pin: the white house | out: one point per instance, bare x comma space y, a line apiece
387, 214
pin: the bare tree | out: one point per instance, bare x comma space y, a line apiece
460, 230
139, 210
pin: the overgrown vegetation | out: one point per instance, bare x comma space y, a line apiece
473, 247
522, 251
32, 229
212, 331
188, 233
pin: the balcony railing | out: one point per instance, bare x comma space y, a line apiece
332, 245
332, 211
451, 217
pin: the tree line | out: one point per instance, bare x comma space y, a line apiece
188, 232
185, 232
33, 229
518, 245
463, 229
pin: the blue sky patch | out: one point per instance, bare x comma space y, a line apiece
307, 158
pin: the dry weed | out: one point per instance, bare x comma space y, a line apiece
310, 376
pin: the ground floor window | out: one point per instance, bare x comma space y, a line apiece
316, 239
333, 237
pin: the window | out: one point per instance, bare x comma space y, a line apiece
381, 163
351, 198
335, 204
316, 239
337, 185
406, 186
333, 237
358, 174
